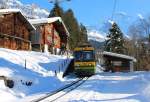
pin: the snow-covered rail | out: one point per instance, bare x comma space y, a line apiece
61, 92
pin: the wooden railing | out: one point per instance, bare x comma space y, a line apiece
13, 42
19, 38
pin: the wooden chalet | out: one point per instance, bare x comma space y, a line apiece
15, 30
50, 35
118, 62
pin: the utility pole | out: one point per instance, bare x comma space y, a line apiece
149, 38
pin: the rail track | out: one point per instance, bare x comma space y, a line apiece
51, 97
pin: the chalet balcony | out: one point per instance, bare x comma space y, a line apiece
13, 42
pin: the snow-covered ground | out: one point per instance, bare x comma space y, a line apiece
113, 87
40, 69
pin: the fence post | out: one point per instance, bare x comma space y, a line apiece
62, 65
25, 64
55, 73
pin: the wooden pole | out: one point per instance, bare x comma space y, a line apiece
25, 64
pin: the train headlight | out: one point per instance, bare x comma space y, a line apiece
77, 65
90, 64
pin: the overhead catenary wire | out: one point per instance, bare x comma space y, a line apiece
114, 9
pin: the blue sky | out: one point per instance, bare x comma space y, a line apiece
96, 12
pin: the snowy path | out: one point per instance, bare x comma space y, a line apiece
114, 87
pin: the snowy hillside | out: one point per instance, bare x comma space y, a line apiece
40, 69
31, 11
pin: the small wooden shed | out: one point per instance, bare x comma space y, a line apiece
118, 62
15, 30
50, 35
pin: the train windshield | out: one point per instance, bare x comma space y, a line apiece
84, 55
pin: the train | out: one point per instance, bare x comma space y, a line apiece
84, 60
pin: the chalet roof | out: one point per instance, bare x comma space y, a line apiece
119, 55
49, 20
21, 16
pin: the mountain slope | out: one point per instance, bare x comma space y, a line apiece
96, 38
30, 11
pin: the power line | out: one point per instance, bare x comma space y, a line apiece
114, 8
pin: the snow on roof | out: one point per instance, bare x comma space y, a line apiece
119, 55
48, 20
7, 11
45, 20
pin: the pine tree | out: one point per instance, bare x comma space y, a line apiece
83, 34
73, 28
57, 11
115, 41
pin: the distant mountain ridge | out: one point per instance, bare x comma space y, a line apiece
96, 35
96, 38
29, 10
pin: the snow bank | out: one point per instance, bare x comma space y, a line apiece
6, 92
146, 92
99, 68
112, 87
2, 84
146, 87
32, 72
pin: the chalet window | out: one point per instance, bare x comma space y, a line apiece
1, 41
23, 34
0, 29
19, 44
1, 16
49, 39
117, 63
50, 30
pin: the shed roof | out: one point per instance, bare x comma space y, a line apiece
22, 17
49, 20
119, 55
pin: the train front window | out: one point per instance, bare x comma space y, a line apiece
84, 55
88, 55
78, 55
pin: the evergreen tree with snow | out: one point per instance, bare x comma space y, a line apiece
115, 41
57, 11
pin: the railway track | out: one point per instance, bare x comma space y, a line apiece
51, 97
